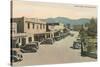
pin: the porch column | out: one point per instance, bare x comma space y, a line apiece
46, 35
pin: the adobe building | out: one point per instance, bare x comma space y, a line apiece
55, 29
25, 30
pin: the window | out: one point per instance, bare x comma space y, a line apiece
28, 25
37, 26
30, 39
40, 26
43, 26
33, 25
19, 40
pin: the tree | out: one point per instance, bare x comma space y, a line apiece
92, 28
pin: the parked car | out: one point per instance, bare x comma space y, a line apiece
47, 41
79, 40
37, 44
71, 34
76, 45
30, 47
15, 56
62, 36
57, 38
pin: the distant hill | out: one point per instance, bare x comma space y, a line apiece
68, 21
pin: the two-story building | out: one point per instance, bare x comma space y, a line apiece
25, 30
55, 29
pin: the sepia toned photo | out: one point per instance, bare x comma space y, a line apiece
52, 33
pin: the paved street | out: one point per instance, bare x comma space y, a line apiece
59, 52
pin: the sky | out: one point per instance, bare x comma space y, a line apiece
51, 10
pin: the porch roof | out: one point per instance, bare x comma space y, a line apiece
19, 35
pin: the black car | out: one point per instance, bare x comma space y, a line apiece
57, 38
30, 47
71, 34
76, 45
47, 41
36, 43
15, 56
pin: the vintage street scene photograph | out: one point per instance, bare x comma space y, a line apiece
52, 33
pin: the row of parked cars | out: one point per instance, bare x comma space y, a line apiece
27, 48
52, 40
32, 47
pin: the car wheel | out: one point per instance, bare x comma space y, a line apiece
34, 50
22, 51
37, 47
20, 59
51, 43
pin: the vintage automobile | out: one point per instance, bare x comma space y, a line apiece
15, 56
37, 44
62, 36
47, 41
30, 47
76, 45
57, 38
71, 34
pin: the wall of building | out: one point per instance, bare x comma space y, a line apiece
35, 26
20, 24
14, 28
26, 28
56, 26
